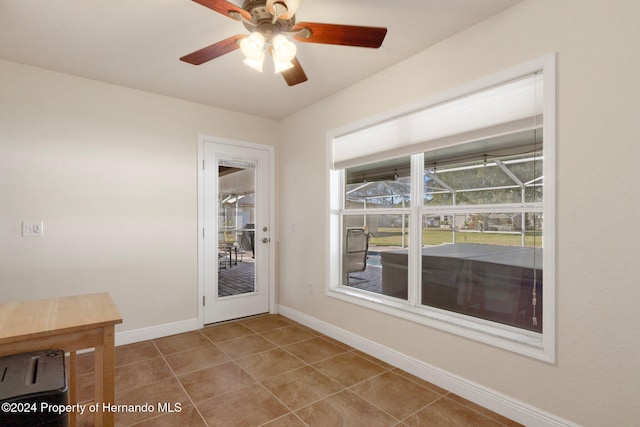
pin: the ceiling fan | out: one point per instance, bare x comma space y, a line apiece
271, 21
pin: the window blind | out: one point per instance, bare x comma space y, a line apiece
507, 108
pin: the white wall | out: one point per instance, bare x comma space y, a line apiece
112, 173
596, 380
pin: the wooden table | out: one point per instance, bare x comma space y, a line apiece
70, 324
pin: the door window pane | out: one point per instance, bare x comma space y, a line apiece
236, 228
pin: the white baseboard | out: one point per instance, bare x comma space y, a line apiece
511, 408
159, 331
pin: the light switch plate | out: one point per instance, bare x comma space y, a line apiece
32, 229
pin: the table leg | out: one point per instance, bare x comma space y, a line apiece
105, 377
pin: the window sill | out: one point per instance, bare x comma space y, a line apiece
508, 338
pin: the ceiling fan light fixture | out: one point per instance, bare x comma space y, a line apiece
255, 63
270, 21
253, 46
280, 66
291, 7
283, 49
279, 9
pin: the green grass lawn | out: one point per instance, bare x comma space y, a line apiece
438, 236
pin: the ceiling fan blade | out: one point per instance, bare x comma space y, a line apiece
344, 35
212, 52
224, 7
295, 75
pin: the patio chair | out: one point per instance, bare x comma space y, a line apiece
357, 244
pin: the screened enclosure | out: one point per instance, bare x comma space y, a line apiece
481, 228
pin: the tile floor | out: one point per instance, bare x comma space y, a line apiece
271, 371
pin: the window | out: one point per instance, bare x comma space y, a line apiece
377, 200
444, 213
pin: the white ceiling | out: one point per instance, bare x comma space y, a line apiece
137, 43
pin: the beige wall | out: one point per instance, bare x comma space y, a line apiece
112, 173
596, 380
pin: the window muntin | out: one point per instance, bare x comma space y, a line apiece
484, 228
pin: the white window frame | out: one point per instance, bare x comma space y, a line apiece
539, 346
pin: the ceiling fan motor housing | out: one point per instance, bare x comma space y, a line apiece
263, 21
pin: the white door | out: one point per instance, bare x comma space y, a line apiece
236, 236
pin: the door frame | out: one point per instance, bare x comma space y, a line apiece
202, 141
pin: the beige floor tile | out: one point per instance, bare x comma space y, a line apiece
254, 371
337, 343
85, 363
345, 409
266, 323
349, 368
301, 387
482, 410
373, 359
137, 352
289, 420
245, 346
288, 335
141, 373
395, 394
167, 391
85, 387
249, 406
187, 416
127, 376
181, 342
315, 350
420, 381
446, 412
227, 331
216, 380
311, 331
196, 359
269, 363
87, 419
